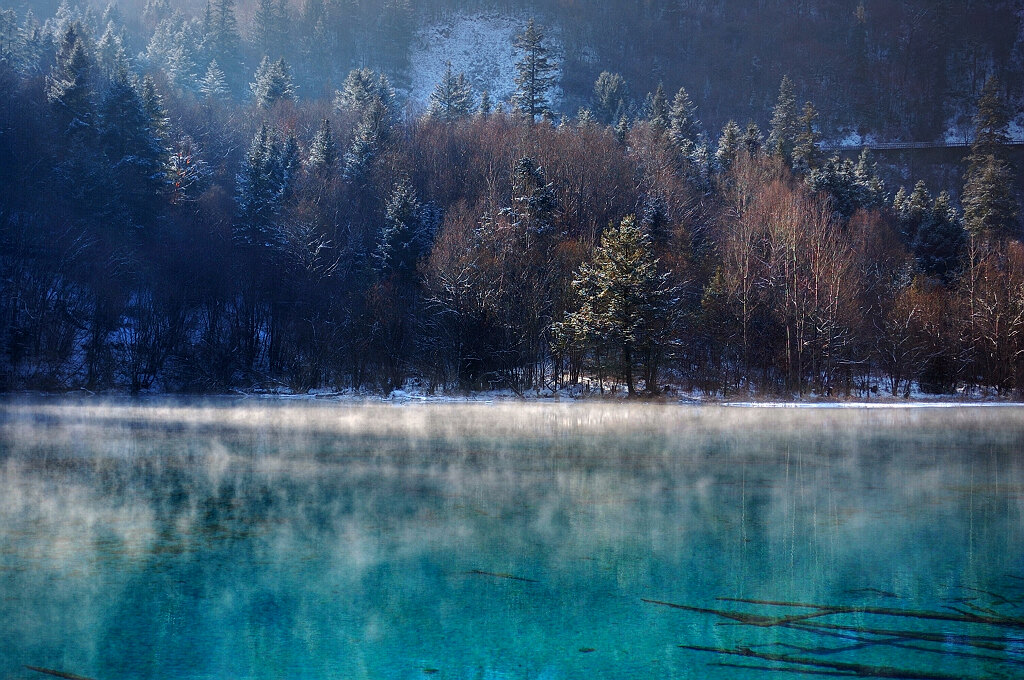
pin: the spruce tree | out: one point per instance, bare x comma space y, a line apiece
402, 240
940, 240
484, 109
990, 205
753, 140
536, 74
911, 210
805, 149
272, 83
362, 87
728, 145
785, 125
323, 152
610, 97
69, 87
624, 303
658, 109
259, 193
213, 86
452, 98
222, 38
684, 126
533, 198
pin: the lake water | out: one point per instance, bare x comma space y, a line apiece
270, 539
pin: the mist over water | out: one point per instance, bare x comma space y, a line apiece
248, 539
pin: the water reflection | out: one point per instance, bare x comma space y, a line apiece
501, 541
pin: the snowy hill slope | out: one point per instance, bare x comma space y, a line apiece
479, 45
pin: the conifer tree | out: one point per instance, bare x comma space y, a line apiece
785, 125
363, 87
402, 240
624, 303
805, 149
728, 145
990, 205
370, 135
912, 210
684, 126
753, 140
484, 109
69, 87
940, 240
221, 36
658, 109
272, 83
611, 95
536, 74
270, 26
213, 87
323, 152
533, 198
452, 98
259, 193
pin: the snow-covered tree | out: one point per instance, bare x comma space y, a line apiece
611, 97
452, 98
728, 145
323, 152
536, 73
684, 126
785, 124
272, 83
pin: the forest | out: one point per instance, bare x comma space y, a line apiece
220, 198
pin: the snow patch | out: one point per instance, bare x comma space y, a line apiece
478, 45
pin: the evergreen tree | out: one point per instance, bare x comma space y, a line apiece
536, 74
213, 87
684, 126
753, 140
785, 125
805, 150
273, 83
485, 104
940, 240
134, 150
323, 152
990, 205
911, 210
370, 136
110, 54
69, 87
452, 98
658, 110
624, 303
259, 194
533, 198
728, 145
222, 37
611, 95
270, 26
622, 129
361, 89
402, 240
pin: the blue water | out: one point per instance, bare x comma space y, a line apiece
254, 539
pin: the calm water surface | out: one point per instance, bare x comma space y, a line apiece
255, 539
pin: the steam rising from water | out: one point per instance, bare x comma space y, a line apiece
280, 539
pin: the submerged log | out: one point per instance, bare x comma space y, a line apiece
959, 615
855, 669
498, 574
57, 674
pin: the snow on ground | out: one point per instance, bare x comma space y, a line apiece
478, 45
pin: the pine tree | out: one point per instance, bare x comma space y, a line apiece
658, 110
728, 145
222, 37
452, 98
273, 83
484, 109
624, 303
533, 198
213, 87
753, 140
134, 150
990, 205
536, 74
402, 240
785, 125
805, 150
611, 95
361, 89
260, 188
940, 240
684, 126
323, 152
911, 210
69, 87
370, 135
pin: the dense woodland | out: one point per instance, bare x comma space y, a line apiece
194, 215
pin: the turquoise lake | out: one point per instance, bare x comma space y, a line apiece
303, 539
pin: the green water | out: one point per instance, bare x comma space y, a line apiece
257, 539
